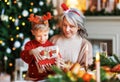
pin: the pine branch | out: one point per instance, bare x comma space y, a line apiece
116, 58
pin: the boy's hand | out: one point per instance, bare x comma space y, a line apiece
30, 52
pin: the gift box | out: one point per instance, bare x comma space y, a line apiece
45, 57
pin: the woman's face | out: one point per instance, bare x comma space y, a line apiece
69, 30
40, 35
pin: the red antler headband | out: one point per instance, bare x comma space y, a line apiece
65, 8
47, 17
36, 19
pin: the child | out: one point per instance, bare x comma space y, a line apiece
40, 30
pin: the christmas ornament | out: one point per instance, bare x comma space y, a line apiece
19, 4
41, 3
35, 10
25, 13
51, 32
3, 10
3, 44
4, 18
55, 12
17, 44
16, 22
24, 42
8, 50
54, 27
21, 35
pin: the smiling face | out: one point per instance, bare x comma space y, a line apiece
41, 35
69, 30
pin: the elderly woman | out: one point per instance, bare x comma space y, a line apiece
74, 46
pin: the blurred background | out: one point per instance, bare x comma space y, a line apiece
102, 24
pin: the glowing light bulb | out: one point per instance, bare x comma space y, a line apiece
19, 16
11, 39
13, 20
10, 18
8, 3
23, 23
5, 0
1, 41
30, 10
13, 48
17, 35
17, 28
10, 64
5, 58
31, 3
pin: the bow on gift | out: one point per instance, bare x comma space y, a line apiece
39, 20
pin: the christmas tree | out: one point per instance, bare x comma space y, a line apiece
15, 27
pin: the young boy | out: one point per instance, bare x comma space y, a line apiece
40, 30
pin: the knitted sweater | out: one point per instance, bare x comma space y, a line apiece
75, 49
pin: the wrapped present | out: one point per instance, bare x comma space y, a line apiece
46, 57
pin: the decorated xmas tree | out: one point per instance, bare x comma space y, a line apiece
15, 27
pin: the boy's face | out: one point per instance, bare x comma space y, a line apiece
40, 35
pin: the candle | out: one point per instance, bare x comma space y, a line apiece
97, 67
97, 57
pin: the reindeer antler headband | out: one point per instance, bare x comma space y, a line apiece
66, 9
36, 19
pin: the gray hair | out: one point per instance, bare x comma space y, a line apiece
74, 16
